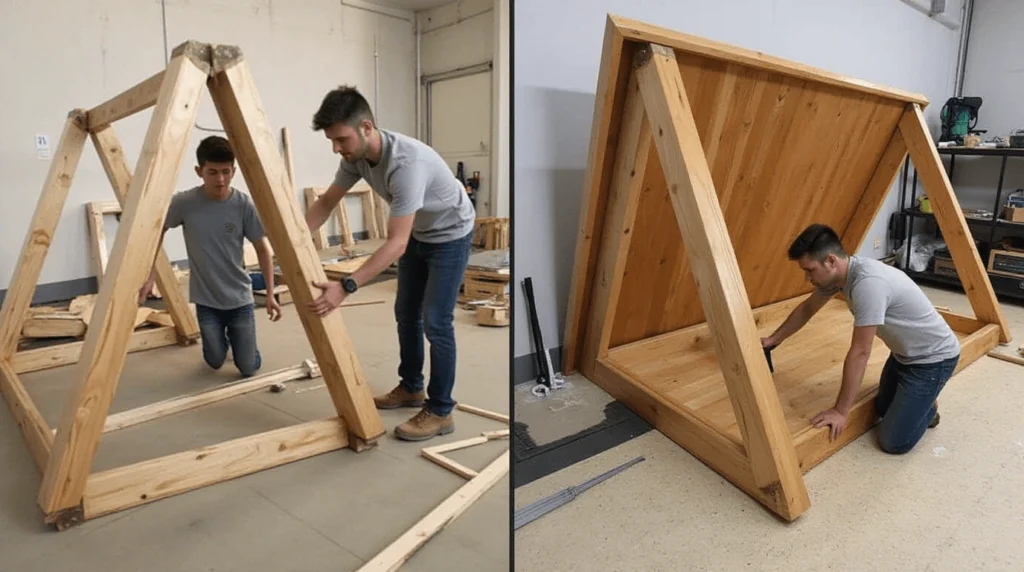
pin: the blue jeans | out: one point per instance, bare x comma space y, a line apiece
429, 278
906, 401
236, 327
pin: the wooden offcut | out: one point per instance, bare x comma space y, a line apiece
372, 223
70, 492
706, 161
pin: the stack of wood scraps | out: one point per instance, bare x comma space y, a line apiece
487, 276
491, 233
73, 321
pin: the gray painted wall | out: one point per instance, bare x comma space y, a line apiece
557, 52
994, 73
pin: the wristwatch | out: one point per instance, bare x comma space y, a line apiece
349, 285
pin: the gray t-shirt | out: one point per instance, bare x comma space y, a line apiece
413, 178
214, 231
881, 295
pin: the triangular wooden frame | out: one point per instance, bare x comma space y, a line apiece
70, 493
669, 301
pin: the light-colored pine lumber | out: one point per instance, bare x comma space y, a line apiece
27, 361
40, 233
399, 551
133, 100
950, 219
33, 426
712, 259
106, 341
482, 412
242, 114
125, 487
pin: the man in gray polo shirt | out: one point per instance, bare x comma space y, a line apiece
885, 302
430, 232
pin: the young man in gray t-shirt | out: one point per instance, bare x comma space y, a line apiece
430, 234
216, 218
885, 302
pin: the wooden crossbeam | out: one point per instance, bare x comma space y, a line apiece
712, 258
242, 114
131, 101
106, 341
27, 361
141, 483
623, 198
40, 233
950, 218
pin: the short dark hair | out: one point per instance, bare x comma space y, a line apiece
343, 105
816, 241
214, 149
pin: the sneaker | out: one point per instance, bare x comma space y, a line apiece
399, 397
425, 425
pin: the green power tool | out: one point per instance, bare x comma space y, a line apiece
959, 116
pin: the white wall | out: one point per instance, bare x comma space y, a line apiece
465, 33
78, 53
995, 74
557, 53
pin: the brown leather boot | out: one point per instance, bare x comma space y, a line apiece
425, 425
399, 397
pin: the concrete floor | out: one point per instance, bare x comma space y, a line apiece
300, 516
954, 503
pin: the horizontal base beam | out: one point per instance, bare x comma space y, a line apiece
66, 354
34, 428
125, 487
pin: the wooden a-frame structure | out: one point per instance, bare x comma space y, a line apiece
70, 493
705, 163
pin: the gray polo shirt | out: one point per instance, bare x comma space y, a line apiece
214, 231
413, 178
881, 295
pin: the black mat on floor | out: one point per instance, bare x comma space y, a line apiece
532, 462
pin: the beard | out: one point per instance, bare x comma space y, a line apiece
364, 147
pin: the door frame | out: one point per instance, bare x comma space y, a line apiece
427, 81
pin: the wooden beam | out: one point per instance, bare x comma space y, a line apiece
242, 114
186, 402
623, 198
56, 356
40, 233
1006, 358
286, 145
141, 96
370, 214
33, 426
961, 323
380, 212
482, 412
399, 551
115, 164
445, 462
604, 131
113, 317
951, 221
97, 240
54, 326
311, 194
145, 482
874, 194
709, 249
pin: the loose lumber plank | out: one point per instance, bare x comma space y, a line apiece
115, 164
399, 551
133, 100
1006, 358
482, 412
33, 426
604, 133
320, 234
623, 196
950, 218
714, 265
64, 354
98, 240
141, 483
174, 405
106, 341
445, 462
40, 235
242, 114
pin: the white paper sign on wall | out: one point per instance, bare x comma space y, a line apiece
42, 147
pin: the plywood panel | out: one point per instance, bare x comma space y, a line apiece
784, 153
